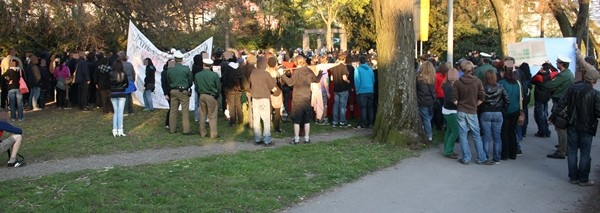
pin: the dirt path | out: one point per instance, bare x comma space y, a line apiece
153, 156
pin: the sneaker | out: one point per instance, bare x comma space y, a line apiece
452, 156
308, 141
269, 144
293, 142
587, 183
464, 162
556, 155
167, 127
496, 162
359, 127
345, 125
15, 164
258, 142
487, 162
334, 125
519, 153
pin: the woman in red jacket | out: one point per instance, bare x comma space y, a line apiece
440, 76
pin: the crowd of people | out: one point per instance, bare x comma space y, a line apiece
489, 98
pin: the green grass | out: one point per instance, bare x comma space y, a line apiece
58, 134
260, 181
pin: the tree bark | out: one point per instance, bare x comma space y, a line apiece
579, 28
508, 21
329, 36
398, 120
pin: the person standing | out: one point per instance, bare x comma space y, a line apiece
450, 113
541, 97
440, 78
149, 84
302, 112
426, 96
582, 103
496, 102
102, 79
486, 64
128, 68
276, 100
164, 80
559, 86
34, 83
15, 97
247, 70
180, 81
341, 85
261, 87
4, 66
364, 81
467, 94
231, 82
82, 79
511, 114
118, 85
208, 87
61, 74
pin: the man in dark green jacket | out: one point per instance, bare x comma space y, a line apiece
485, 66
180, 80
208, 86
559, 87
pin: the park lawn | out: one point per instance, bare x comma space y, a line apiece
54, 134
261, 181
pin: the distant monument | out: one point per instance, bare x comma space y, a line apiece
320, 33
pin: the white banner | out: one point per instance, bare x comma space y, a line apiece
140, 48
532, 52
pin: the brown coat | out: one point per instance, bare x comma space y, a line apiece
468, 93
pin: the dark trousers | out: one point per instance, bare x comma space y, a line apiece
438, 117
129, 104
43, 99
287, 98
366, 109
82, 95
73, 94
168, 111
509, 135
61, 98
105, 103
277, 119
234, 104
582, 142
540, 114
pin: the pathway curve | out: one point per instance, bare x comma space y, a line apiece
153, 156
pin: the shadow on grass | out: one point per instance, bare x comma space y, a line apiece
54, 134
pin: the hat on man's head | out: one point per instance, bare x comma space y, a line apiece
591, 75
178, 54
563, 59
207, 61
485, 55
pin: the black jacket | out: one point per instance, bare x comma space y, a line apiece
164, 81
448, 104
583, 107
102, 77
118, 84
425, 94
82, 72
150, 79
496, 99
541, 93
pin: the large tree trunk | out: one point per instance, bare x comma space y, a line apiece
579, 29
507, 17
398, 119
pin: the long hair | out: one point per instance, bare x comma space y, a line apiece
443, 69
490, 78
427, 73
509, 75
149, 61
118, 66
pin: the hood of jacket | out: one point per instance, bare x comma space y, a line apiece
468, 79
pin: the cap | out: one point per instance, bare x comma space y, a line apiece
170, 56
563, 59
178, 54
485, 55
591, 75
207, 61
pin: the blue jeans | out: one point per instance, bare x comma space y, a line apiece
339, 107
119, 107
426, 115
148, 100
15, 98
366, 101
491, 127
582, 142
34, 95
540, 114
470, 122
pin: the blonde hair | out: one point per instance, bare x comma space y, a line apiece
467, 67
427, 73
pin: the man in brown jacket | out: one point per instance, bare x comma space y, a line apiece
467, 94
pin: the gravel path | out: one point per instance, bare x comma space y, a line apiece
153, 156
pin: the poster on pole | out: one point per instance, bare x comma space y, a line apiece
555, 47
140, 48
532, 52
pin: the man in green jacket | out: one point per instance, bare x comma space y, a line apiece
559, 87
208, 86
180, 80
485, 66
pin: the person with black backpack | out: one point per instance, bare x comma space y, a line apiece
231, 82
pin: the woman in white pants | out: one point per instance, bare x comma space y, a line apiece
118, 86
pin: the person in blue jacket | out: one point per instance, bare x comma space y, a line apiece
364, 81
